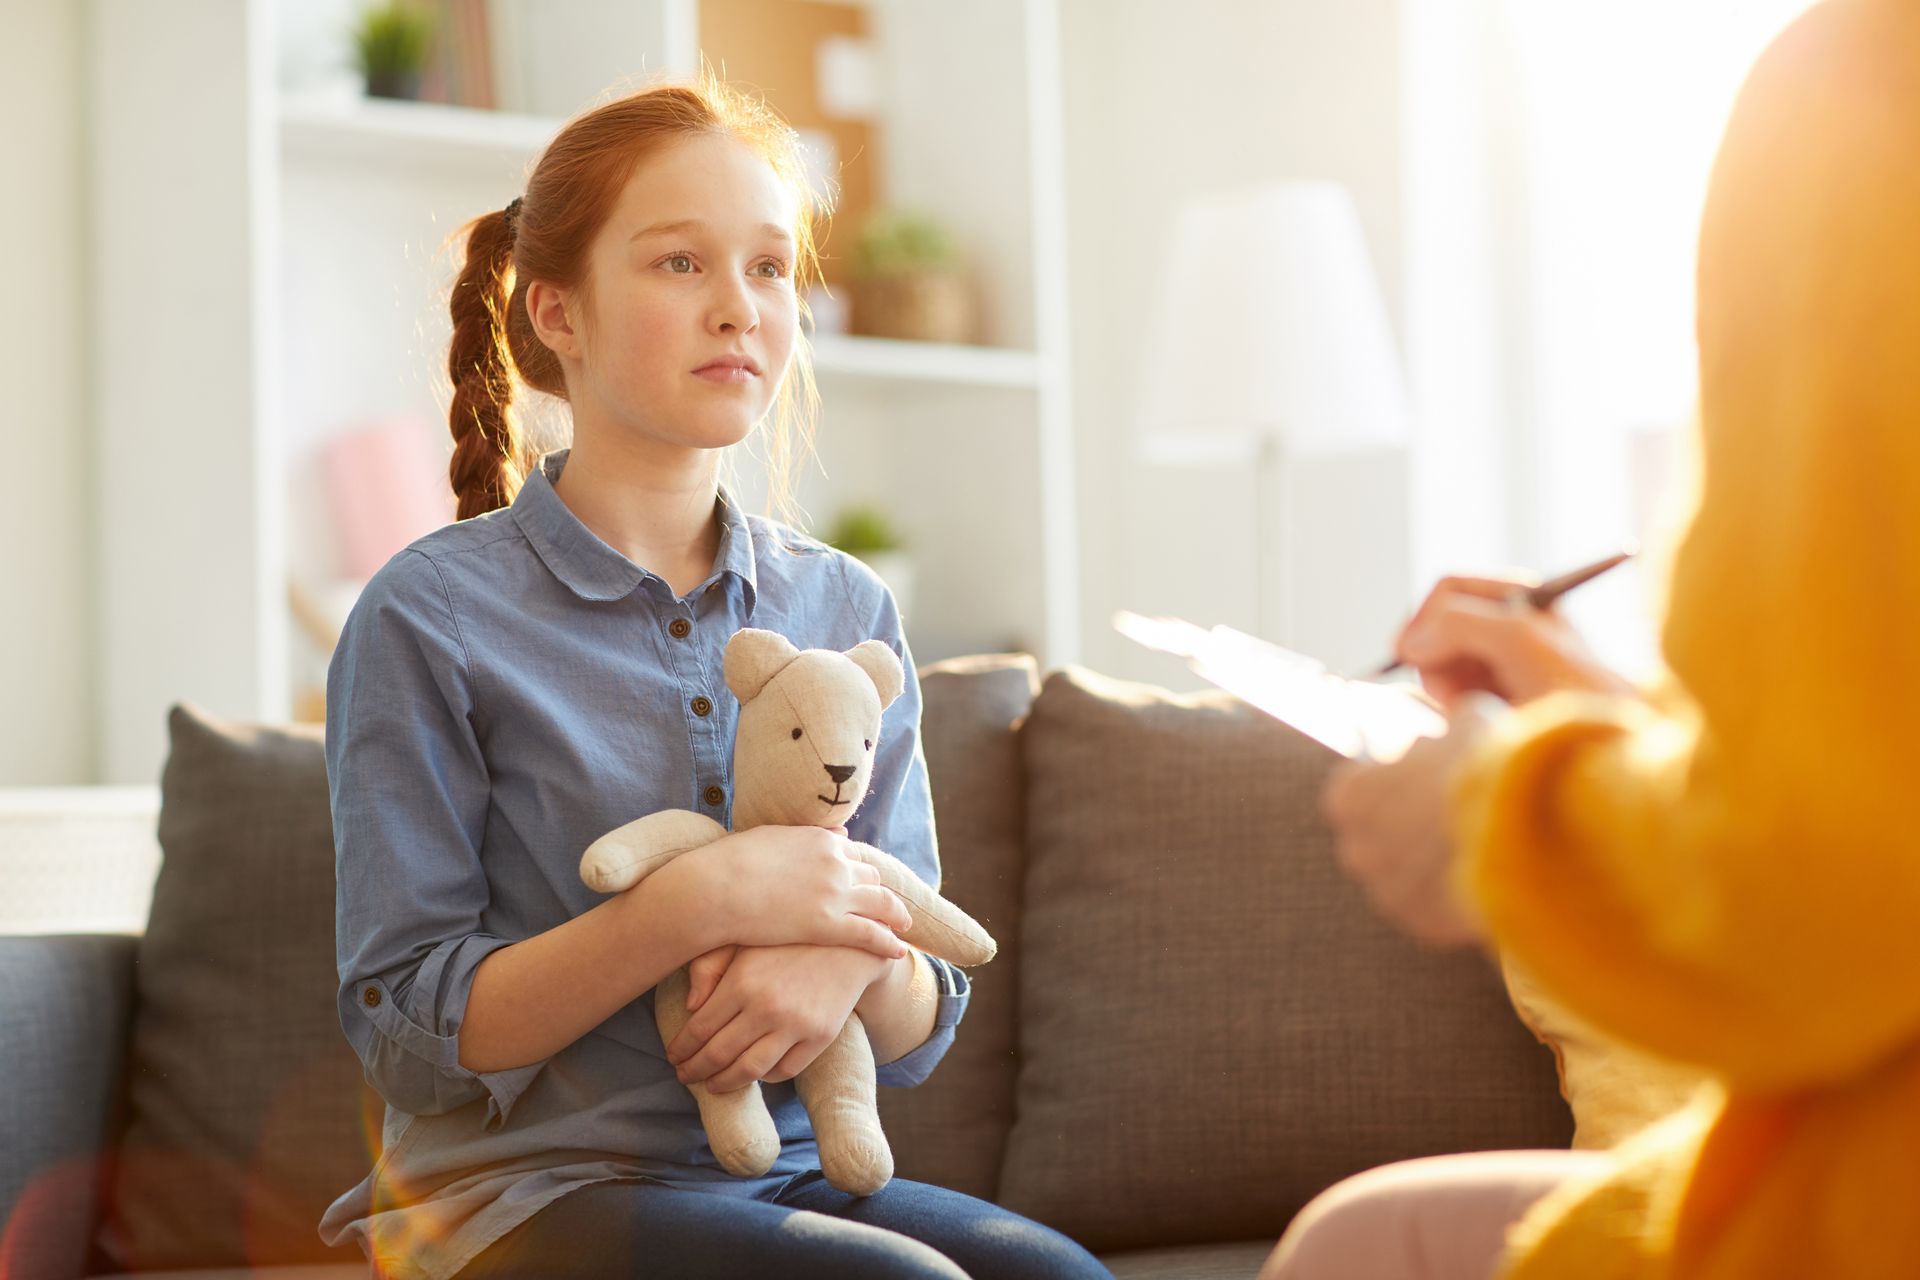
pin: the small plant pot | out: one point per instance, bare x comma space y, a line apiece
393, 84
925, 306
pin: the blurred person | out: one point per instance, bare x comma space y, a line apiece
1721, 870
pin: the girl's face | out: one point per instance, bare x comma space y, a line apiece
692, 312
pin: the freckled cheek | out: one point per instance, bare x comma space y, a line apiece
651, 345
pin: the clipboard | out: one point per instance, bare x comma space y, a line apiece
1358, 719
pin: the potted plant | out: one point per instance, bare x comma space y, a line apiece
391, 42
866, 532
909, 280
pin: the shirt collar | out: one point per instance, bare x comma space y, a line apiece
589, 567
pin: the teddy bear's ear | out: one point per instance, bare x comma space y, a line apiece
882, 667
753, 658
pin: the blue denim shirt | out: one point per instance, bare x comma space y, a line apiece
506, 690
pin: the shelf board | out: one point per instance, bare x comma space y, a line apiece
414, 133
841, 354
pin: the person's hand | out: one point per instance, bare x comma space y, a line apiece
1476, 635
1394, 829
704, 974
774, 886
771, 1013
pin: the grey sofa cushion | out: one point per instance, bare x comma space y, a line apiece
951, 1129
64, 1007
244, 1098
1213, 1026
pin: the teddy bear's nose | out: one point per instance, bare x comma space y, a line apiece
839, 772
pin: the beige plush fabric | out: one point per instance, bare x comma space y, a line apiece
952, 1129
1213, 1026
242, 1096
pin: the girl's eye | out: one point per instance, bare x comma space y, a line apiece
679, 257
796, 735
774, 269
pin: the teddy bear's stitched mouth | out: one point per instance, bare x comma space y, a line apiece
818, 796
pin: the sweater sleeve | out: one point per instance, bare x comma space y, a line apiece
1729, 877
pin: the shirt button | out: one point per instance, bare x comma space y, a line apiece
701, 707
372, 997
714, 796
679, 628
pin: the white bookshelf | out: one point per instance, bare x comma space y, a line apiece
356, 129
318, 304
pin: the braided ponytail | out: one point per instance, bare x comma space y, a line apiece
489, 459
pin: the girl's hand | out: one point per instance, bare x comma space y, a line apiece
1394, 827
1473, 635
772, 1013
774, 886
705, 972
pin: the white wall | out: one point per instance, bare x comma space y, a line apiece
46, 721
1166, 98
189, 524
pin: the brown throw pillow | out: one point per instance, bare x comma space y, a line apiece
951, 1129
1213, 1025
244, 1098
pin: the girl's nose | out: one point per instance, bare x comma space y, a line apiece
733, 310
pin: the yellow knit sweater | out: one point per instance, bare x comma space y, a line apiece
1731, 877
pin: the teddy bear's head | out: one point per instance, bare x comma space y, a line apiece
809, 724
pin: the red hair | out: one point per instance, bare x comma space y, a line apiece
572, 191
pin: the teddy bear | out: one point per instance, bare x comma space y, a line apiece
802, 756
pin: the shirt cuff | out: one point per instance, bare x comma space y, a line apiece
955, 990
425, 1023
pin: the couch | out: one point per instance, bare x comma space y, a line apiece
1194, 1023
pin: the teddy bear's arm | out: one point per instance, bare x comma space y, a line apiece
939, 927
627, 855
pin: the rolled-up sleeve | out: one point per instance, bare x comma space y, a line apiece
918, 1064
897, 815
409, 792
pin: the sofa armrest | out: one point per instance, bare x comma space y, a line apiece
66, 1004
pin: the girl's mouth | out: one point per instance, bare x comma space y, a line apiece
726, 374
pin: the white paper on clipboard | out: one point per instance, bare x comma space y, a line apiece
1359, 719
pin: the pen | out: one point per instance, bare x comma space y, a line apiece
1546, 593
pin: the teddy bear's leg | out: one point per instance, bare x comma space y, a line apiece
739, 1128
838, 1090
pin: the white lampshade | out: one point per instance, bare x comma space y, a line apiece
1271, 326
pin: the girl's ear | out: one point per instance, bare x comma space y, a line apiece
552, 322
882, 667
753, 658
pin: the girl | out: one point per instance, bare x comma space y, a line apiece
1726, 876
512, 686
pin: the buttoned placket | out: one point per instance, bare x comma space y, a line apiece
698, 663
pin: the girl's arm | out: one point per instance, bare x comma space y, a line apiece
768, 886
899, 1007
534, 998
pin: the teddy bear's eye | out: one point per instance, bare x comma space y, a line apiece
796, 735
869, 744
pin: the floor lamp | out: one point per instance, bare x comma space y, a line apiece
1271, 342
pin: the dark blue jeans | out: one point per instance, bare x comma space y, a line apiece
909, 1230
